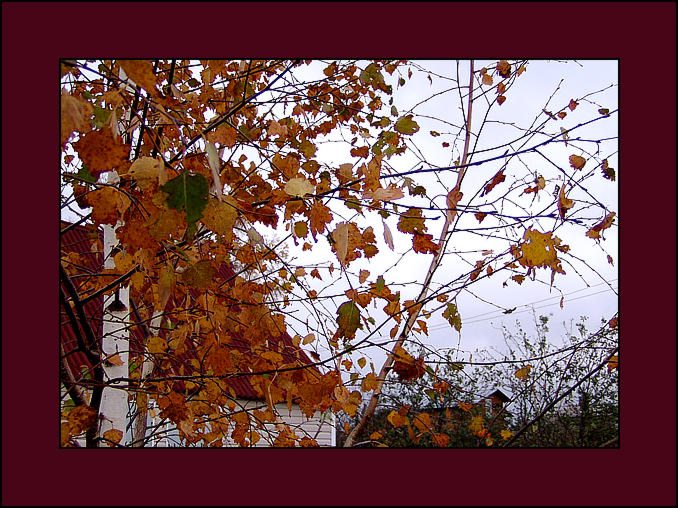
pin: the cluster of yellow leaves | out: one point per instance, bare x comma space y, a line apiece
76, 421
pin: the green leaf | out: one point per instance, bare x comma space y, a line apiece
407, 125
452, 315
84, 174
189, 193
101, 116
348, 319
380, 283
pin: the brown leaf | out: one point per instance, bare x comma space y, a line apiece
498, 178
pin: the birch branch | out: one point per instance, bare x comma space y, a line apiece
452, 198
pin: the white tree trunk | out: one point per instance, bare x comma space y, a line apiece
114, 409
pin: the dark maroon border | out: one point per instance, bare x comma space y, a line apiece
35, 471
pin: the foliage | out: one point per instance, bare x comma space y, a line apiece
198, 164
453, 396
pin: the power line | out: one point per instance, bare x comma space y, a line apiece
529, 306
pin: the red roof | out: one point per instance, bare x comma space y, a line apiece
81, 247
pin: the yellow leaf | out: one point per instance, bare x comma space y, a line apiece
477, 424
396, 419
147, 172
487, 79
308, 339
157, 345
523, 372
299, 187
124, 262
220, 216
362, 362
423, 422
166, 284
506, 434
113, 437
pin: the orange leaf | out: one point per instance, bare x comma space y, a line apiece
75, 116
363, 275
101, 151
594, 232
423, 243
496, 180
113, 437
613, 363
319, 216
577, 162
564, 204
504, 68
572, 105
115, 360
362, 152
406, 366
108, 205
453, 198
141, 72
369, 383
396, 419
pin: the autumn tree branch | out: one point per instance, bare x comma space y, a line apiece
435, 263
